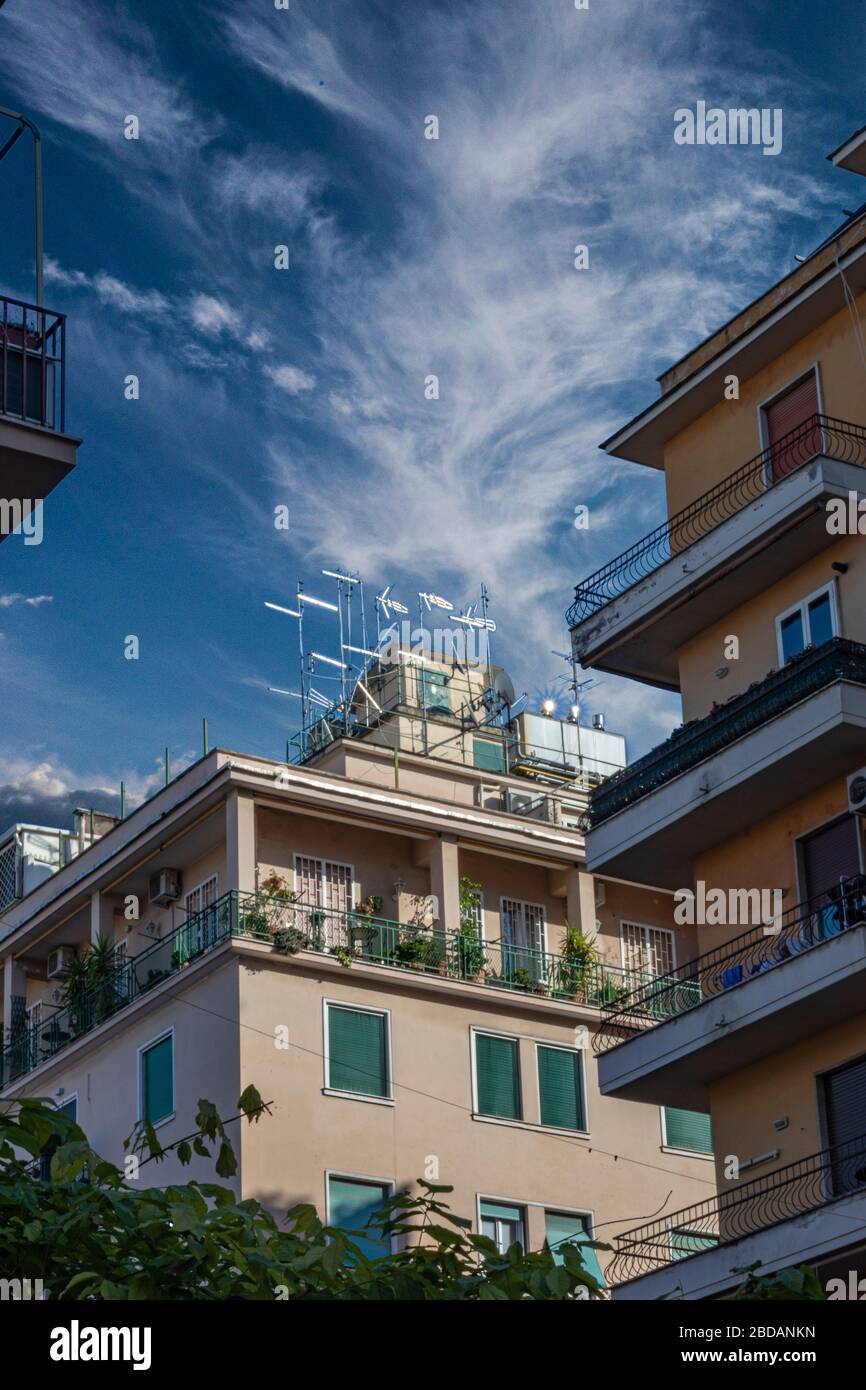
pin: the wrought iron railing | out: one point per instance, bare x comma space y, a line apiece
819, 435
32, 364
290, 927
763, 947
804, 675
743, 1210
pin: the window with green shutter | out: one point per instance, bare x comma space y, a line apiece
351, 1203
488, 755
157, 1080
560, 1088
497, 1070
358, 1051
564, 1228
688, 1129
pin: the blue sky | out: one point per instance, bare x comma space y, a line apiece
260, 387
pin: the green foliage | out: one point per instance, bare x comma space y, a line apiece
579, 960
470, 947
797, 1284
89, 1233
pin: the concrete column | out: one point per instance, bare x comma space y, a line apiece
445, 880
101, 917
580, 901
240, 842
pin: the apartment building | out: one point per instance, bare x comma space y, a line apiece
749, 602
375, 937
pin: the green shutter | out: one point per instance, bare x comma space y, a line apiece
688, 1129
157, 1081
350, 1206
561, 1229
488, 755
685, 1242
560, 1088
498, 1073
357, 1052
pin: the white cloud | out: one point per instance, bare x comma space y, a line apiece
290, 379
214, 316
29, 600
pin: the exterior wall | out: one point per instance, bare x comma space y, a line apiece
766, 856
785, 1085
206, 1066
286, 1157
720, 442
511, 878
754, 624
625, 902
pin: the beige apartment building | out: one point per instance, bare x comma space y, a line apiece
751, 602
374, 937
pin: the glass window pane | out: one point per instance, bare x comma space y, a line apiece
351, 1203
562, 1229
793, 640
820, 620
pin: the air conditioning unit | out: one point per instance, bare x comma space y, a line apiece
857, 792
60, 961
164, 887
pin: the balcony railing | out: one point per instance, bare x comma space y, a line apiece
819, 435
750, 1207
803, 927
836, 660
290, 927
32, 364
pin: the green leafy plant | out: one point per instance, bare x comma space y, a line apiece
344, 955
578, 962
416, 951
88, 1233
471, 956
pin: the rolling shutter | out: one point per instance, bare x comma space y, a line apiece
357, 1052
498, 1075
560, 1089
787, 413
688, 1129
845, 1110
157, 1081
831, 854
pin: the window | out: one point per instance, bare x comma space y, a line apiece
523, 939
564, 1228
33, 1015
488, 755
504, 1225
357, 1051
351, 1204
845, 1115
560, 1088
433, 691
69, 1108
686, 1129
809, 623
157, 1080
785, 420
472, 910
203, 895
649, 950
326, 884
687, 1242
497, 1076
829, 855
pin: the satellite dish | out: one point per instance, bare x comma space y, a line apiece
503, 687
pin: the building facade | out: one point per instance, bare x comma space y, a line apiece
749, 601
378, 944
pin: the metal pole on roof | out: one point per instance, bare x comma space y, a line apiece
167, 767
204, 736
122, 801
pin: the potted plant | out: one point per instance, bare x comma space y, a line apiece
471, 957
413, 951
578, 962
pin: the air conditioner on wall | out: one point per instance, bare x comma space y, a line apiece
60, 961
857, 792
164, 887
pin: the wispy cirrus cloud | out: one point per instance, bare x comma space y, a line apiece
27, 600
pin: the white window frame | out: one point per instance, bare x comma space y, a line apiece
524, 903
33, 1014
328, 1089
581, 1053
522, 1207
675, 1148
199, 888
145, 1047
480, 922
645, 927
802, 607
337, 864
67, 1100
341, 1175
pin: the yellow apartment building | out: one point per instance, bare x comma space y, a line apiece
750, 601
375, 937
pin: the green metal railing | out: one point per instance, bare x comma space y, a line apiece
290, 927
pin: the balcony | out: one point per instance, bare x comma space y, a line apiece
797, 1214
35, 452
290, 929
670, 1039
788, 735
633, 615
